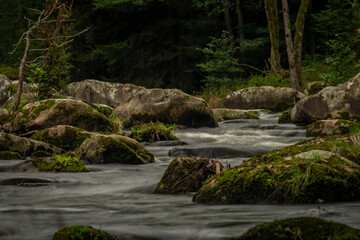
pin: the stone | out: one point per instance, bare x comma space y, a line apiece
305, 228
187, 174
222, 114
25, 146
5, 84
285, 117
152, 132
331, 102
28, 182
52, 112
328, 127
317, 170
264, 97
83, 232
138, 105
100, 148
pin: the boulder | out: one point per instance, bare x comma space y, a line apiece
333, 102
328, 127
187, 174
5, 84
304, 228
25, 146
82, 232
57, 163
52, 112
63, 136
314, 87
264, 97
152, 132
100, 148
285, 117
28, 182
211, 152
137, 105
317, 170
222, 114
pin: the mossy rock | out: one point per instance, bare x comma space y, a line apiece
52, 112
100, 148
152, 132
11, 73
8, 155
328, 127
63, 136
222, 114
285, 117
304, 228
61, 163
187, 174
284, 176
314, 87
82, 232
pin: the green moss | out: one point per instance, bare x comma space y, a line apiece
152, 132
61, 163
82, 233
285, 117
44, 106
13, 89
305, 228
11, 73
92, 120
8, 155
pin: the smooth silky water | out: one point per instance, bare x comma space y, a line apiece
117, 198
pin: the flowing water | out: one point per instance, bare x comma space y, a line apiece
118, 199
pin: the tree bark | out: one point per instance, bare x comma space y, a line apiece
289, 45
273, 24
228, 19
240, 17
21, 72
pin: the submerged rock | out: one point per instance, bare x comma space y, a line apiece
28, 182
81, 233
328, 127
284, 176
138, 105
25, 146
264, 97
100, 148
63, 136
210, 152
330, 102
222, 114
52, 112
187, 175
304, 228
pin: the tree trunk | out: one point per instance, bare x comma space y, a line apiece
289, 45
21, 73
273, 24
299, 36
228, 19
240, 17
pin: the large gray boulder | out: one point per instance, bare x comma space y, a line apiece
264, 97
334, 102
138, 105
100, 148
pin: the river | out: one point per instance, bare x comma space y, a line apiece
118, 199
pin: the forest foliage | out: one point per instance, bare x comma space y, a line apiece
182, 44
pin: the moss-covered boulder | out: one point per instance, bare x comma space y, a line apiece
25, 146
153, 132
264, 97
222, 114
187, 174
285, 117
52, 112
58, 163
100, 148
328, 127
81, 233
63, 136
304, 228
288, 175
314, 87
138, 105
